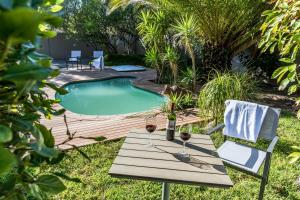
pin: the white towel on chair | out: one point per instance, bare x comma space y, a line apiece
98, 63
244, 119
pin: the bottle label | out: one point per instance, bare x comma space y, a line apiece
171, 124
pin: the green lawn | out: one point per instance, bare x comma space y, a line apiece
97, 184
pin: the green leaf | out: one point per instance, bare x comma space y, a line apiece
81, 153
47, 135
5, 134
64, 176
23, 3
267, 12
48, 34
52, 2
100, 138
8, 183
35, 191
6, 4
292, 89
296, 37
19, 25
53, 20
286, 60
56, 8
40, 59
279, 71
7, 161
59, 90
59, 1
45, 151
50, 183
25, 72
284, 84
59, 158
296, 148
54, 73
294, 157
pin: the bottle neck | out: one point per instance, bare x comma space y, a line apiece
172, 107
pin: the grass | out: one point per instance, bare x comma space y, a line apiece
97, 184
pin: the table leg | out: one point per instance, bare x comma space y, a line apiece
165, 191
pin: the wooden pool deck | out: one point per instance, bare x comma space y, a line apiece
111, 127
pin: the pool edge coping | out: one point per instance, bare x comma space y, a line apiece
133, 83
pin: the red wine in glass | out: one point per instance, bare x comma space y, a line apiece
150, 127
185, 136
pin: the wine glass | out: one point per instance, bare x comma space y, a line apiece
150, 127
185, 135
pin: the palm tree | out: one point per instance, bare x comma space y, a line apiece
153, 30
226, 27
152, 58
171, 57
186, 31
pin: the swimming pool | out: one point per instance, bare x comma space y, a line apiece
128, 68
108, 97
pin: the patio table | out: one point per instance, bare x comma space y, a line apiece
163, 163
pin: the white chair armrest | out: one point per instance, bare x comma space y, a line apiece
216, 128
272, 144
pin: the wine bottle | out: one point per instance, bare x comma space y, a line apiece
171, 123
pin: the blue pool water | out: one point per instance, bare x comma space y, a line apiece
128, 68
108, 97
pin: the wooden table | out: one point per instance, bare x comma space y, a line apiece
163, 163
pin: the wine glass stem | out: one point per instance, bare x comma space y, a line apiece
150, 139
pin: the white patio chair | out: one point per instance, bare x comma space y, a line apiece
75, 58
249, 159
98, 60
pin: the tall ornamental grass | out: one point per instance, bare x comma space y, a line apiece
225, 86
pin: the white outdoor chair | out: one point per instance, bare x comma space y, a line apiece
75, 58
98, 60
249, 159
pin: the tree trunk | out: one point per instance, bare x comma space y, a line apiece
111, 48
192, 54
215, 57
157, 80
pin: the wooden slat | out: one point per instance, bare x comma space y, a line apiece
109, 128
167, 175
143, 151
162, 162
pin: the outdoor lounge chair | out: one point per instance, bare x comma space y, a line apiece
98, 60
75, 58
248, 159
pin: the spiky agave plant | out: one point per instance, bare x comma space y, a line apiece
153, 29
186, 30
171, 57
152, 58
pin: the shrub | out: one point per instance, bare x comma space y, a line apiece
25, 143
182, 101
119, 59
187, 78
222, 87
